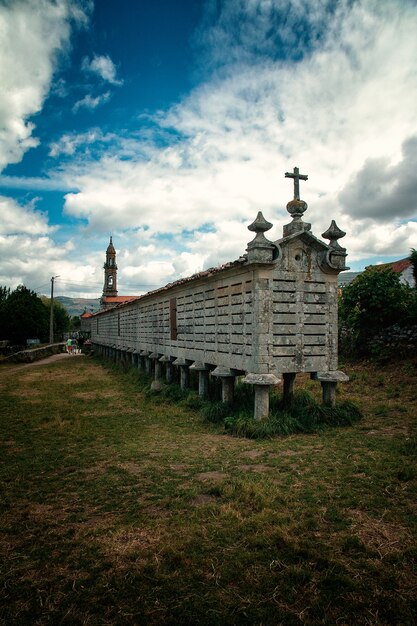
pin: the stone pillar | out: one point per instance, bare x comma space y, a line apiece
185, 372
169, 368
147, 362
329, 382
203, 378
156, 383
288, 389
227, 378
141, 359
262, 383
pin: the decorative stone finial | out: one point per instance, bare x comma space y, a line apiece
260, 225
334, 233
334, 260
296, 207
260, 250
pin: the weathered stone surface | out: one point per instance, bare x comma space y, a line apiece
261, 379
332, 377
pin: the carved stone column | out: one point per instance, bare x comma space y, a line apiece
203, 378
156, 383
288, 389
185, 372
329, 382
262, 383
227, 377
169, 368
148, 363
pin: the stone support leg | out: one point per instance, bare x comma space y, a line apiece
329, 393
184, 377
157, 382
143, 358
169, 372
203, 384
203, 378
261, 405
228, 388
227, 378
329, 382
262, 383
169, 369
288, 388
184, 373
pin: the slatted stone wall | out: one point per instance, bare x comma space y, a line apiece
305, 335
209, 320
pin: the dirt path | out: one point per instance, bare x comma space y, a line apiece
47, 361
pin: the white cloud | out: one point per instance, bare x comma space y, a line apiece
380, 190
349, 98
33, 33
104, 67
16, 219
33, 260
338, 101
69, 143
89, 102
28, 253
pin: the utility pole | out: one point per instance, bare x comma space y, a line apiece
51, 317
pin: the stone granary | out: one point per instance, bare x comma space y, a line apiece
267, 316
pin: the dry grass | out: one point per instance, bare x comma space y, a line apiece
120, 509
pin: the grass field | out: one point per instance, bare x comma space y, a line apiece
121, 508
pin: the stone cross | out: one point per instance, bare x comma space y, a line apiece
297, 177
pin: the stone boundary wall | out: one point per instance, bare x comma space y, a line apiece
399, 339
35, 354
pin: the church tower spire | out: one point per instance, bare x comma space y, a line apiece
110, 272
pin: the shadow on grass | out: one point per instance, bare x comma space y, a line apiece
302, 415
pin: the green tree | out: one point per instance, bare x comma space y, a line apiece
61, 317
23, 316
4, 294
75, 322
374, 300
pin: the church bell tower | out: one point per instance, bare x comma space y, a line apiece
110, 272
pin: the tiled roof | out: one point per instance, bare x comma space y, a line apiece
397, 266
181, 281
118, 299
86, 314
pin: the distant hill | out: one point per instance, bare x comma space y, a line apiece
345, 278
77, 306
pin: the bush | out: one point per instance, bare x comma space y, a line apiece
376, 299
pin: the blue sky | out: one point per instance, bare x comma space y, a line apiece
170, 124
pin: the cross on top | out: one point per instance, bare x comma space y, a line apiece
297, 177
